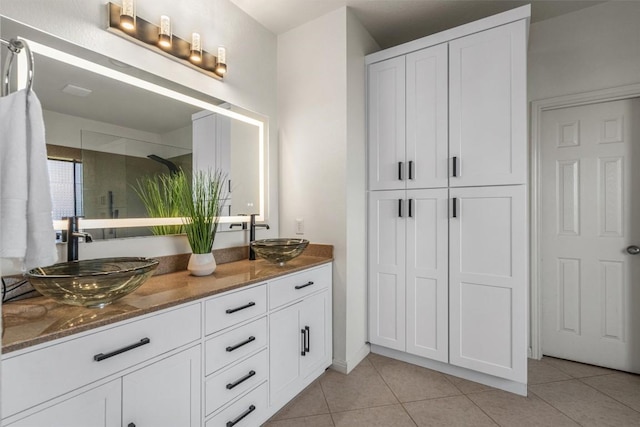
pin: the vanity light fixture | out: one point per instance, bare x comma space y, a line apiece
164, 36
128, 15
221, 63
161, 40
196, 48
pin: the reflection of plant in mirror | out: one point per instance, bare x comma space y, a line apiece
159, 194
201, 203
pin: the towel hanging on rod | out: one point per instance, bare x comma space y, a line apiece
15, 45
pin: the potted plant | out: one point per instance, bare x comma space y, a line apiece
200, 202
159, 194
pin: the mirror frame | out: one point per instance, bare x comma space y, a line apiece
85, 64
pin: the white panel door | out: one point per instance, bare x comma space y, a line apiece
387, 225
314, 312
99, 407
487, 107
386, 101
166, 393
589, 212
489, 280
427, 299
427, 122
285, 346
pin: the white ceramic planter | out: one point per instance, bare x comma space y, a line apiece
201, 264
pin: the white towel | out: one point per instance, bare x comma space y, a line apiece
26, 228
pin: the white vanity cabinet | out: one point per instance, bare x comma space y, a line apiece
138, 355
447, 223
300, 332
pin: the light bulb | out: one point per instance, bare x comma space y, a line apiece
164, 37
128, 15
196, 48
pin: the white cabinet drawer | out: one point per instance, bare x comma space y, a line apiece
228, 384
235, 344
295, 286
249, 411
31, 378
228, 310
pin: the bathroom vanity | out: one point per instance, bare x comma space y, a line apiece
223, 350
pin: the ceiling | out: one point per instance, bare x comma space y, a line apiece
392, 22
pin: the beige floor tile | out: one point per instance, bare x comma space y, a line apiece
509, 409
541, 372
456, 411
621, 386
362, 388
586, 405
315, 421
466, 386
575, 369
381, 416
410, 382
309, 402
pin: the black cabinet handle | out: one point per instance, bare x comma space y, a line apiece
304, 342
455, 167
410, 208
241, 416
233, 310
455, 208
241, 380
101, 356
410, 169
131, 425
309, 283
307, 344
400, 167
400, 208
237, 346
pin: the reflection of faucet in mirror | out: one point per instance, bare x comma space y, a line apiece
252, 235
172, 166
73, 236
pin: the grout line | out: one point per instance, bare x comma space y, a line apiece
385, 382
324, 396
483, 411
552, 405
608, 395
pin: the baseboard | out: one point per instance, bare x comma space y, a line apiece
339, 365
456, 371
344, 367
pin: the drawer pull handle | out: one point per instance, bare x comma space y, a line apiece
237, 346
307, 344
241, 380
304, 342
309, 283
102, 356
233, 310
241, 416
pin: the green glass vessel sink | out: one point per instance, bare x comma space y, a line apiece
279, 251
94, 282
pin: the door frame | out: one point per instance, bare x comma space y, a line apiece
537, 108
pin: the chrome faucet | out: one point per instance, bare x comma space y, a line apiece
73, 235
252, 234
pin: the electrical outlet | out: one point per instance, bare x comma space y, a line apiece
299, 225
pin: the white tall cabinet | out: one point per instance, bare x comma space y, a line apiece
448, 231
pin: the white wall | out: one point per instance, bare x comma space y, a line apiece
593, 48
322, 173
250, 82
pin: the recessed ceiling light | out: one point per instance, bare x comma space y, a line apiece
76, 91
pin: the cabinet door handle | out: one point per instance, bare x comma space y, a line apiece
233, 310
237, 346
307, 344
454, 171
241, 416
454, 213
131, 425
400, 208
304, 342
101, 356
410, 208
400, 168
309, 283
241, 380
410, 169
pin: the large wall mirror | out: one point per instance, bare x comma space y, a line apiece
110, 126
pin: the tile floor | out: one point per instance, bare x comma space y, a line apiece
385, 392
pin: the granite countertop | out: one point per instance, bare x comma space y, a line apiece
36, 320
